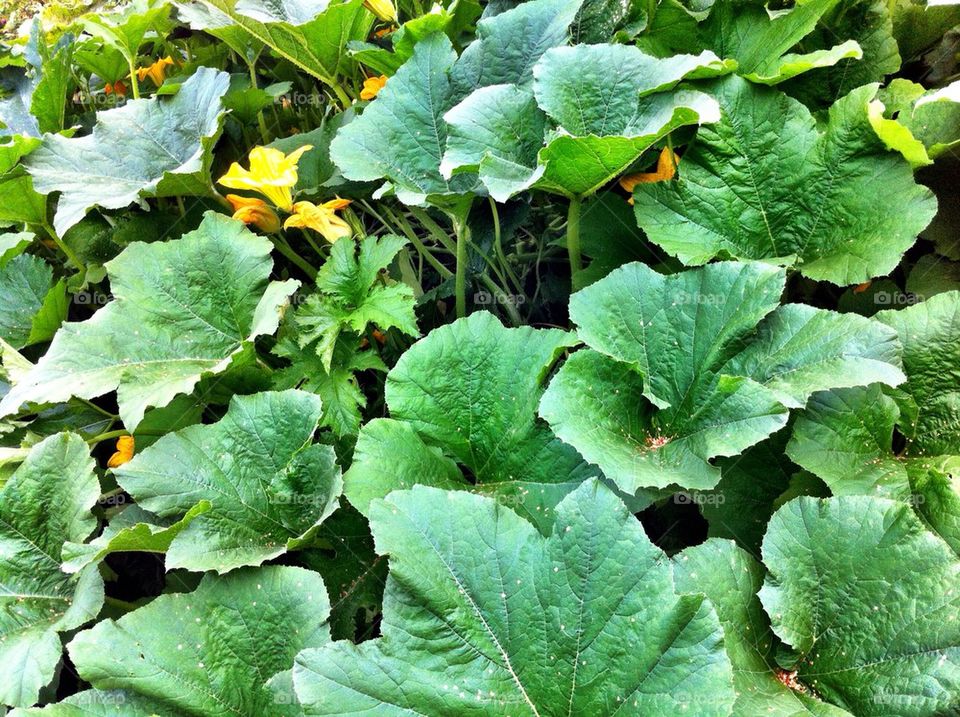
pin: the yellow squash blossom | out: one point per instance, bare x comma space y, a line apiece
156, 72
125, 446
250, 210
372, 86
666, 169
383, 9
272, 173
320, 218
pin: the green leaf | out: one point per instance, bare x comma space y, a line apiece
847, 436
468, 394
792, 64
211, 651
338, 389
496, 131
868, 23
401, 135
483, 614
315, 43
509, 44
931, 360
45, 503
758, 38
730, 578
131, 530
268, 485
127, 28
12, 244
162, 334
868, 599
390, 455
611, 103
156, 147
352, 296
765, 183
679, 373
30, 304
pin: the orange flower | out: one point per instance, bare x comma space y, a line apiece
125, 446
860, 288
156, 72
666, 169
372, 86
320, 218
118, 88
250, 210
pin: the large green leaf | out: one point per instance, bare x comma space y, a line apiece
868, 599
510, 43
209, 652
597, 95
44, 504
484, 615
730, 578
268, 486
678, 373
155, 147
765, 183
867, 22
847, 437
401, 136
470, 391
302, 32
29, 299
182, 309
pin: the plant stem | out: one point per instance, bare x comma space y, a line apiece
264, 132
436, 231
107, 436
460, 279
284, 248
573, 241
507, 304
70, 253
134, 82
498, 246
339, 92
415, 240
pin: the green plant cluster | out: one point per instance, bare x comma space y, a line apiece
555, 357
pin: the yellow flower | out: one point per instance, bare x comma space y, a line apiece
125, 446
272, 173
250, 210
666, 169
383, 9
156, 72
371, 86
320, 218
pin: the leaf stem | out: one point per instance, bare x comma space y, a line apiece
573, 242
460, 278
134, 82
284, 248
70, 253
